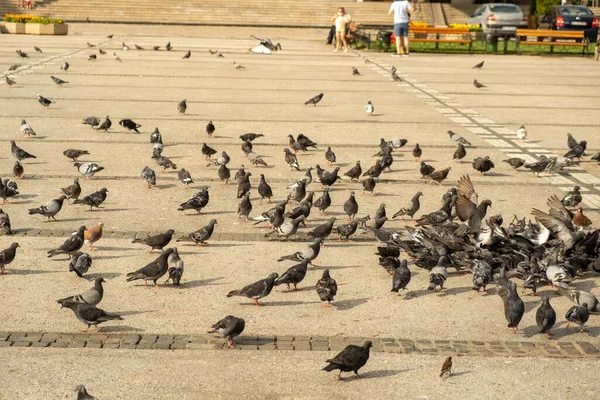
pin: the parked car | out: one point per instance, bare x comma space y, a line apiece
571, 18
498, 19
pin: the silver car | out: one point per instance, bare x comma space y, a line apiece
498, 19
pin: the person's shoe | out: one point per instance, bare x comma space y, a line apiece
405, 55
328, 42
395, 55
345, 50
336, 50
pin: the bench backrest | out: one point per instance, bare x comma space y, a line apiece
441, 31
548, 33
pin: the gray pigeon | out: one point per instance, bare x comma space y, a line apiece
514, 308
310, 253
410, 208
229, 327
545, 316
44, 101
245, 207
58, 81
157, 242
80, 263
149, 176
287, 228
294, 275
74, 154
438, 274
65, 66
579, 297
90, 315
347, 230
185, 177
326, 288
71, 245
26, 129
153, 271
7, 256
182, 106
351, 206
401, 277
82, 393
264, 190
91, 296
175, 268
482, 274
87, 169
458, 139
256, 290
578, 315
203, 234
352, 358
50, 209
73, 191
94, 199
18, 152
5, 228
322, 231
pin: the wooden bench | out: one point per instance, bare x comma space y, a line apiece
441, 35
538, 35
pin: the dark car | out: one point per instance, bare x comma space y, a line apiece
571, 18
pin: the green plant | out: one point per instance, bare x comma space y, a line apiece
543, 6
532, 7
31, 19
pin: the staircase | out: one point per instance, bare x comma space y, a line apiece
286, 13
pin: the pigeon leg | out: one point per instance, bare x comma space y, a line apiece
257, 303
231, 344
295, 287
156, 285
85, 329
55, 220
2, 271
339, 376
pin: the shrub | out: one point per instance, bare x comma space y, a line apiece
31, 19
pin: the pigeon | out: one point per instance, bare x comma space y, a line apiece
91, 121
250, 136
18, 152
197, 202
73, 191
90, 297
90, 45
50, 209
514, 308
229, 327
291, 160
326, 288
477, 84
164, 162
80, 263
417, 152
14, 67
395, 77
307, 179
238, 66
410, 208
153, 271
425, 169
105, 126
354, 172
438, 274
90, 315
482, 274
7, 256
182, 106
578, 315
355, 71
208, 151
330, 155
264, 190
545, 316
309, 253
580, 220
149, 176
65, 66
102, 52
116, 57
322, 231
369, 185
256, 290
314, 100
294, 275
203, 234
351, 207
460, 153
26, 129
347, 230
155, 48
210, 128
5, 228
483, 164
369, 108
244, 185
18, 170
478, 65
438, 176
401, 277
187, 55
22, 54
74, 154
8, 188
58, 81
245, 206
175, 270
92, 235
44, 101
580, 297
224, 174
71, 245
596, 157
458, 139
168, 46
572, 198
515, 162
156, 242
323, 202
93, 199
9, 81
352, 358
522, 133
82, 393
185, 177
222, 160
287, 228
577, 151
130, 125
329, 178
447, 366
571, 142
138, 47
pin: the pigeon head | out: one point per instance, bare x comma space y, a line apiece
170, 231
213, 221
77, 164
13, 245
81, 229
326, 274
418, 194
175, 251
273, 276
367, 345
103, 190
98, 281
168, 251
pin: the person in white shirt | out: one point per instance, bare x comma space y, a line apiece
340, 20
401, 11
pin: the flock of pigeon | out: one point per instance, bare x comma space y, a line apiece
555, 247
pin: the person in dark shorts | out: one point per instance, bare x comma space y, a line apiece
401, 11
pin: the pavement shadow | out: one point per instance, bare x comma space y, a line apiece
105, 275
95, 257
331, 268
121, 248
120, 328
10, 271
115, 209
349, 304
288, 303
380, 373
456, 290
125, 313
201, 282
461, 373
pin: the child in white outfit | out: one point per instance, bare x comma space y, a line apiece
341, 19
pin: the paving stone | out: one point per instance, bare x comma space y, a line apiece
40, 344
267, 347
49, 337
588, 348
21, 344
76, 345
6, 343
203, 346
143, 346
59, 344
286, 338
127, 346
93, 344
111, 345
161, 345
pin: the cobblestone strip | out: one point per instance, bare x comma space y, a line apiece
556, 349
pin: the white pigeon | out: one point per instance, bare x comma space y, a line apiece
260, 49
238, 66
116, 57
87, 169
522, 133
369, 108
26, 129
125, 47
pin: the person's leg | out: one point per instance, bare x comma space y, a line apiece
345, 42
331, 34
338, 39
398, 42
406, 44
399, 49
404, 37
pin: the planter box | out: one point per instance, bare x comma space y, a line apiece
35, 29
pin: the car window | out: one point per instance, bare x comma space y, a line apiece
504, 8
574, 11
479, 11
